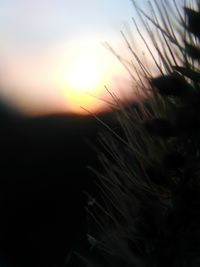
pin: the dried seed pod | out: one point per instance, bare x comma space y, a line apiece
172, 84
160, 127
193, 21
192, 51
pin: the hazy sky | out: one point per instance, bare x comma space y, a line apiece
41, 38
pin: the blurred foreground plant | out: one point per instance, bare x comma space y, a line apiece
149, 211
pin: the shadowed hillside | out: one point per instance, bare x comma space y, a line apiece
43, 173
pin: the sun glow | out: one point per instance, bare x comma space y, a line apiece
83, 80
84, 74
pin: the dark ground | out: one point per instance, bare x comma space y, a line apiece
42, 175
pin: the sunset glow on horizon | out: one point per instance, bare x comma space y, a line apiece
76, 78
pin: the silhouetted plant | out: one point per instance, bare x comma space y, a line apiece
149, 212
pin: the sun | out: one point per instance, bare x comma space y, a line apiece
83, 79
84, 74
